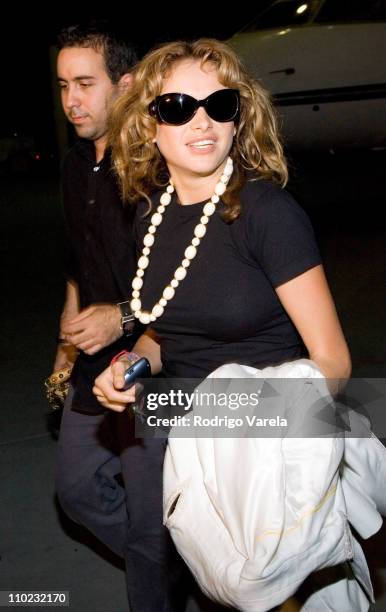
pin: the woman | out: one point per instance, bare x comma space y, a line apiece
252, 289
228, 270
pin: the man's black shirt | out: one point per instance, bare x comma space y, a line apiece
101, 252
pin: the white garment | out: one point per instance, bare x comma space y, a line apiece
253, 517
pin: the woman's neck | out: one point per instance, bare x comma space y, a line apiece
195, 188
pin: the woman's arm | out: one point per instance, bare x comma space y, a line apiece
308, 302
148, 346
108, 385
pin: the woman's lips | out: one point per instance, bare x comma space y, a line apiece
202, 145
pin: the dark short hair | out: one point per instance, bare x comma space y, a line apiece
120, 56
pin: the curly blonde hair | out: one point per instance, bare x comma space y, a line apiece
256, 146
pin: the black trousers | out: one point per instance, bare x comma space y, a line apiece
92, 451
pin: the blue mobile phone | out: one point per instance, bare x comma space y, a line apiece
138, 369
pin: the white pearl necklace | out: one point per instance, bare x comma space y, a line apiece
144, 316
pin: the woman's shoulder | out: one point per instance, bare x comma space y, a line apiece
264, 202
143, 214
276, 231
144, 207
259, 195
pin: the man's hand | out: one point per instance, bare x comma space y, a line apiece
93, 328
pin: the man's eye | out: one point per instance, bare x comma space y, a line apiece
62, 85
86, 84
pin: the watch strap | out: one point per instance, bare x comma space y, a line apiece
127, 318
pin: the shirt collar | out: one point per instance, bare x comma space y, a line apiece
86, 148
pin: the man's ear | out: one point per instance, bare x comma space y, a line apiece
125, 82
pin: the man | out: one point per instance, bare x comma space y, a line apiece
93, 69
94, 447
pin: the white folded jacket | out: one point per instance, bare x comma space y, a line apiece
253, 517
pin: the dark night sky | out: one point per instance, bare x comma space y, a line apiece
25, 38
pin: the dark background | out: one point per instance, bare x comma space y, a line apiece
27, 34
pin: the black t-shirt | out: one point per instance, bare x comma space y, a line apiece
226, 309
101, 253
102, 250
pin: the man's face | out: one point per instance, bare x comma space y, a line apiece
86, 91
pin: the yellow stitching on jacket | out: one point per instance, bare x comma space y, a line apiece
330, 492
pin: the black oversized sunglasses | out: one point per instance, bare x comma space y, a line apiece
179, 108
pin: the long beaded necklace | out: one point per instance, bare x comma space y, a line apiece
147, 317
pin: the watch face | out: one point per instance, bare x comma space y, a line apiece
125, 309
127, 318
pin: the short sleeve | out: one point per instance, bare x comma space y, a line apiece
279, 235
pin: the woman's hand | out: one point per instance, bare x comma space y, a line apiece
108, 387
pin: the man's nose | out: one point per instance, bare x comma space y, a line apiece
71, 98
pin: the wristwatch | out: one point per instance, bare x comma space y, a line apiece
127, 318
